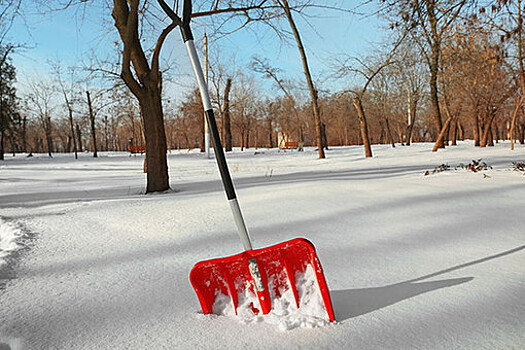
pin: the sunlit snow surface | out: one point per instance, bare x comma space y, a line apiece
9, 234
411, 261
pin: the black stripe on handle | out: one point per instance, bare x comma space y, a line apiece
219, 155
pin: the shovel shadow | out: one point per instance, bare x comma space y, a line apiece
351, 303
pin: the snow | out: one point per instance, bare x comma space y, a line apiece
9, 234
285, 314
412, 261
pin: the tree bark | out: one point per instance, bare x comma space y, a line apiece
521, 73
389, 132
434, 68
155, 136
412, 114
79, 136
454, 132
475, 128
92, 122
226, 123
490, 140
270, 133
2, 151
363, 126
461, 131
24, 134
70, 110
325, 141
513, 122
48, 131
442, 133
311, 88
146, 84
13, 144
486, 131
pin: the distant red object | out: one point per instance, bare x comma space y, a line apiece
290, 145
137, 148
231, 275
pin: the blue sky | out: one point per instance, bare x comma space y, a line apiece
70, 35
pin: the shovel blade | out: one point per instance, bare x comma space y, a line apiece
281, 269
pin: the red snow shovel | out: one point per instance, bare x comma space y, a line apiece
266, 273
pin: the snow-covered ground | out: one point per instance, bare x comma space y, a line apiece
412, 261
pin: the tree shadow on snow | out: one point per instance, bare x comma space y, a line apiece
351, 303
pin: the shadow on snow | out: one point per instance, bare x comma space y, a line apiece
351, 303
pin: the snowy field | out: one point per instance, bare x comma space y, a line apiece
412, 261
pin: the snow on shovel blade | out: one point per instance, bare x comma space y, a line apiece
282, 268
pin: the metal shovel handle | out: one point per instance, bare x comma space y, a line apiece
187, 36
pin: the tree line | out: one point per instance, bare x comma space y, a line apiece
449, 70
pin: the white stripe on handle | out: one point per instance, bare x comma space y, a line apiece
239, 222
219, 154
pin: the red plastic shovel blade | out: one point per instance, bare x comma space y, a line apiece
280, 266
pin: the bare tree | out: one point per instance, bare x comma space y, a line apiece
9, 10
68, 92
92, 123
428, 22
368, 72
311, 88
40, 97
410, 71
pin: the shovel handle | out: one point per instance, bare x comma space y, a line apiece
217, 146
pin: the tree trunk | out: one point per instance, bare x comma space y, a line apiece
47, 131
70, 110
146, 84
435, 48
442, 133
79, 136
412, 107
311, 88
409, 134
106, 133
475, 129
461, 131
486, 132
363, 126
13, 143
454, 132
513, 122
490, 140
325, 141
2, 151
92, 121
24, 134
389, 132
155, 136
270, 133
226, 123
